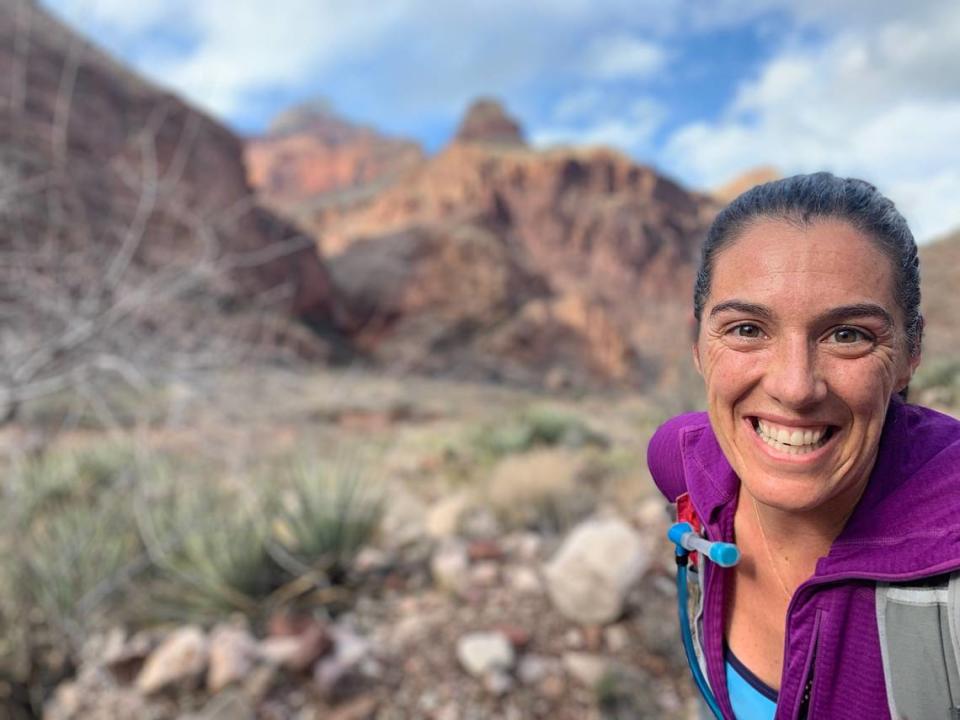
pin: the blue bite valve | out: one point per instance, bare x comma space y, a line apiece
723, 554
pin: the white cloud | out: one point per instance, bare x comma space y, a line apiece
624, 56
880, 101
632, 129
580, 104
119, 16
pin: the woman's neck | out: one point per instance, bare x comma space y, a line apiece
792, 541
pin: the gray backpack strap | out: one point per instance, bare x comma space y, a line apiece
919, 628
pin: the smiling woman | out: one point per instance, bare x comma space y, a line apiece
809, 459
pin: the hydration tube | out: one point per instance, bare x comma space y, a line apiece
723, 554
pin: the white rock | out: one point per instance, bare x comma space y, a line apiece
498, 683
443, 517
349, 651
652, 513
586, 668
616, 638
485, 652
232, 655
534, 668
592, 572
450, 566
181, 657
524, 580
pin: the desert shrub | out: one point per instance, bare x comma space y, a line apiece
69, 548
327, 515
221, 550
545, 490
209, 547
537, 427
69, 529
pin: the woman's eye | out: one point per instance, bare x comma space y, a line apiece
747, 330
847, 336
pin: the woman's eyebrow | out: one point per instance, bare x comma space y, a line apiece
740, 306
857, 310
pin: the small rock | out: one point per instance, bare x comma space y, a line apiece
616, 638
484, 549
518, 636
450, 711
485, 652
295, 643
524, 580
361, 708
67, 701
553, 687
232, 655
450, 567
573, 638
532, 669
349, 651
593, 638
485, 574
498, 683
124, 657
182, 657
585, 668
527, 546
590, 576
443, 517
652, 514
371, 559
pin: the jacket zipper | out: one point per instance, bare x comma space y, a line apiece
802, 709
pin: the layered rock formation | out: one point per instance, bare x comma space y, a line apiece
113, 187
487, 122
311, 158
494, 260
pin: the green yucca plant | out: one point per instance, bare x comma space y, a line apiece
209, 546
327, 515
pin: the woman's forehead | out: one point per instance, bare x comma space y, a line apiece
797, 268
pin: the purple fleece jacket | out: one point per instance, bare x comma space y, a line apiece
906, 526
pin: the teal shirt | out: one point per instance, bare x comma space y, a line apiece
750, 698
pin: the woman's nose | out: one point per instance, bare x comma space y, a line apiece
793, 375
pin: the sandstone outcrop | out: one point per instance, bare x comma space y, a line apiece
560, 267
310, 156
486, 121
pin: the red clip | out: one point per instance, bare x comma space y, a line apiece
686, 513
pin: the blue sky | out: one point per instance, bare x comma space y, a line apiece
702, 89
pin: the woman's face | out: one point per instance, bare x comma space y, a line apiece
801, 346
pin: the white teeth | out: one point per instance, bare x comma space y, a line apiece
792, 442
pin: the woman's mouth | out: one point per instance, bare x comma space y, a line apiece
792, 440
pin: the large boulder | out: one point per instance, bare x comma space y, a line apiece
589, 577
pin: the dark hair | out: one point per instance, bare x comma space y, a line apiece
803, 199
